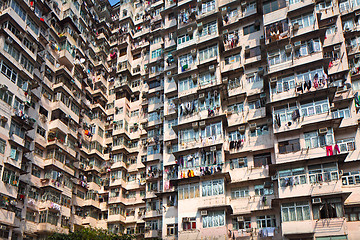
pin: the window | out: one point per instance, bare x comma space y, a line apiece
208, 52
264, 189
184, 38
208, 29
35, 171
259, 131
284, 84
9, 72
10, 177
189, 224
6, 96
352, 214
289, 146
212, 187
18, 9
207, 6
100, 132
251, 29
189, 191
15, 153
2, 146
242, 225
207, 78
298, 211
346, 145
323, 4
256, 104
266, 221
33, 26
236, 108
341, 113
351, 178
304, 21
156, 53
26, 64
323, 173
185, 61
239, 193
253, 52
262, 160
12, 51
292, 177
328, 208
41, 131
308, 47
188, 135
233, 59
214, 219
315, 140
238, 162
278, 56
30, 216
172, 230
272, 6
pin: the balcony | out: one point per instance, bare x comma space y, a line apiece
60, 165
308, 189
298, 227
7, 217
152, 234
50, 228
276, 16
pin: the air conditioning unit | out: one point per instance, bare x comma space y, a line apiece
296, 26
202, 124
337, 47
190, 30
213, 149
200, 26
274, 177
225, 80
212, 68
252, 126
240, 219
297, 44
186, 219
193, 52
9, 40
260, 71
195, 125
288, 48
202, 96
204, 213
3, 87
323, 131
316, 200
194, 77
242, 129
273, 80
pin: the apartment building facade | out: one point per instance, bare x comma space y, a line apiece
219, 119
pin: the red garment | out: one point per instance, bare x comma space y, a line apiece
329, 151
336, 149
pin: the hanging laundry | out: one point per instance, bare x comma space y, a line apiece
329, 151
